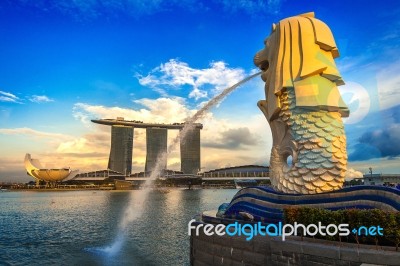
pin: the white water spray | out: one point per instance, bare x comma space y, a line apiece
130, 213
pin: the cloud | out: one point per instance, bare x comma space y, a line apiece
161, 110
11, 163
33, 133
389, 85
233, 138
362, 152
353, 174
378, 165
8, 97
40, 99
91, 143
395, 114
81, 154
87, 152
76, 144
236, 137
197, 94
90, 151
234, 142
42, 145
387, 140
179, 75
378, 143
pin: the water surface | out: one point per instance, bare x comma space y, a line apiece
75, 227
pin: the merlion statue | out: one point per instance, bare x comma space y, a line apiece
303, 106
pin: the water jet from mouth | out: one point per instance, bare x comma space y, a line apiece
130, 214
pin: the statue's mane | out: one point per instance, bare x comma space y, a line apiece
300, 47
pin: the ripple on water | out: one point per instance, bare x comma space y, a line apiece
77, 228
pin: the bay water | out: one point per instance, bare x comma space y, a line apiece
75, 227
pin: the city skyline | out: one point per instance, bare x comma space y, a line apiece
65, 63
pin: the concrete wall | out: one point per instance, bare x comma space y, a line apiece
190, 152
120, 159
262, 250
156, 143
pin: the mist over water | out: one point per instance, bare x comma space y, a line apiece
110, 250
132, 210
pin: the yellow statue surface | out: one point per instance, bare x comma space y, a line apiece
303, 106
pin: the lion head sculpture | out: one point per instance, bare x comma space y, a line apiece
300, 53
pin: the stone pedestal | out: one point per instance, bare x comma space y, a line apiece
264, 250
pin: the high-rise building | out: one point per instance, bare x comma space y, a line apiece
190, 151
156, 143
156, 136
121, 149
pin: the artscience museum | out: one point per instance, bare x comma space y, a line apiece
35, 169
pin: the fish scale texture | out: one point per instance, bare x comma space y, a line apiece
320, 157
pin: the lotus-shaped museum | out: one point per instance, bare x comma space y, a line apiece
37, 171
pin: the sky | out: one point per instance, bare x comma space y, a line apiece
64, 62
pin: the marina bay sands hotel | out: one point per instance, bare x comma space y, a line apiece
122, 131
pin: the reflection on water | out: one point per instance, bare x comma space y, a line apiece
75, 227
